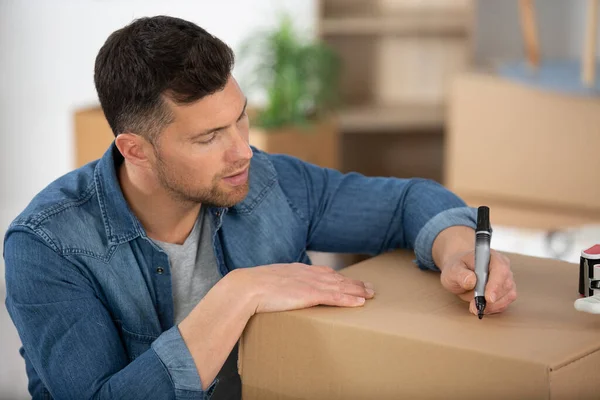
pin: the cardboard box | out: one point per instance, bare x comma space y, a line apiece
530, 153
318, 144
414, 340
93, 135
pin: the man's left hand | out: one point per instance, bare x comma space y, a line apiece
458, 277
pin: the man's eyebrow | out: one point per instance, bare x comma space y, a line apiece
211, 130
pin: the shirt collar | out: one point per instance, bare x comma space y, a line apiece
120, 224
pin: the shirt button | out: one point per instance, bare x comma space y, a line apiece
160, 270
218, 213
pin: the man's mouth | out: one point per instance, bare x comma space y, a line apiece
237, 173
237, 178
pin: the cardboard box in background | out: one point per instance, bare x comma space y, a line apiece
415, 340
530, 154
319, 145
93, 135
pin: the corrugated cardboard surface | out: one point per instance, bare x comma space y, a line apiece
417, 341
524, 147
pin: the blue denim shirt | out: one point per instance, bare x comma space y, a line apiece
90, 293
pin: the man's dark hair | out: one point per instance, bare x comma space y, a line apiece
152, 58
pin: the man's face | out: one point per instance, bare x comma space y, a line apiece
204, 155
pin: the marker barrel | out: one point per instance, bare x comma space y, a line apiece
482, 261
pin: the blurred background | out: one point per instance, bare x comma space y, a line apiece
497, 100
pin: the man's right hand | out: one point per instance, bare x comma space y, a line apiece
283, 287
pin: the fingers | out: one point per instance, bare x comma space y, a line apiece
501, 289
503, 302
500, 280
349, 286
336, 298
323, 268
499, 306
467, 280
337, 278
458, 278
336, 289
355, 288
330, 280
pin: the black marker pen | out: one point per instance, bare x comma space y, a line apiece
483, 238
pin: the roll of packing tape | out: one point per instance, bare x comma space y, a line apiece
588, 304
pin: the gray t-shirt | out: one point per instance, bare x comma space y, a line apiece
194, 272
194, 269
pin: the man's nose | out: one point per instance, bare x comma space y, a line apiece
240, 146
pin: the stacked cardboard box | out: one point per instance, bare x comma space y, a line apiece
529, 153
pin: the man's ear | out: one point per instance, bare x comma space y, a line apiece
135, 149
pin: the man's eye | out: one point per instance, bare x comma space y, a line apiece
208, 138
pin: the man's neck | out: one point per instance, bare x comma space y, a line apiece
164, 218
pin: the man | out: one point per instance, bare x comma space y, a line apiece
135, 275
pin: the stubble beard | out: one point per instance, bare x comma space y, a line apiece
184, 192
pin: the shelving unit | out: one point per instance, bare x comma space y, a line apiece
406, 24
396, 118
399, 58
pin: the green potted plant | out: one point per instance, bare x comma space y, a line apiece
300, 80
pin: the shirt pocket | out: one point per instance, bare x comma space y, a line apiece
135, 344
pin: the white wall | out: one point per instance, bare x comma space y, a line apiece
47, 52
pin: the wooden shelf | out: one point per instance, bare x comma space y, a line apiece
392, 119
451, 23
398, 59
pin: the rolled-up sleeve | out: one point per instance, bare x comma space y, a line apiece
465, 216
178, 361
